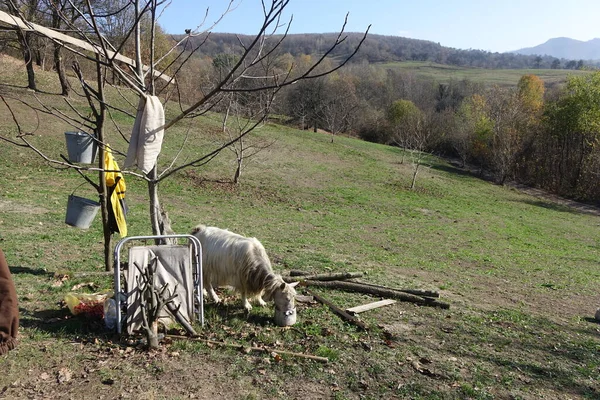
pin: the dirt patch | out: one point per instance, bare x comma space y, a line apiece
13, 207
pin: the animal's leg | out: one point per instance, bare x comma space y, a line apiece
213, 294
260, 301
246, 303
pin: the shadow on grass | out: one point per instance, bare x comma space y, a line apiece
463, 172
62, 323
551, 206
10, 89
231, 314
29, 271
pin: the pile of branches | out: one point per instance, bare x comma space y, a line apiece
345, 281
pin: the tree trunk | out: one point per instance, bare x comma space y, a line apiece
238, 172
104, 200
152, 336
155, 215
161, 225
27, 57
414, 177
240, 160
60, 70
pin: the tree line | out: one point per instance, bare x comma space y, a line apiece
544, 137
381, 48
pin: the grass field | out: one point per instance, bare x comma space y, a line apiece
520, 273
504, 77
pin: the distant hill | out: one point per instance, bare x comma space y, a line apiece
566, 48
381, 49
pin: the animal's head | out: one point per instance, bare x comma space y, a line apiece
285, 309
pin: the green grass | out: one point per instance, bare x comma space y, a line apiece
443, 73
521, 275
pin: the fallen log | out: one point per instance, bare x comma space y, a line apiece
323, 277
381, 292
338, 311
306, 275
252, 348
295, 272
182, 321
417, 292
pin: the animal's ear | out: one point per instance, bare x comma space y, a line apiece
294, 284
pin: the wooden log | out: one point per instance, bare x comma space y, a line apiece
381, 292
324, 277
307, 275
253, 348
174, 310
304, 299
370, 306
417, 292
338, 311
295, 272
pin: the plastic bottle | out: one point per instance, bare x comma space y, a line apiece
110, 313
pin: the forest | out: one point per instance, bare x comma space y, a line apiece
380, 48
533, 133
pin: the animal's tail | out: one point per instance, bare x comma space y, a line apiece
197, 229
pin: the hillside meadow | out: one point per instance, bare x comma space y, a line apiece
520, 274
444, 73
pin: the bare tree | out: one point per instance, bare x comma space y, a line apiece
340, 105
306, 101
152, 73
63, 16
27, 10
410, 133
506, 110
235, 120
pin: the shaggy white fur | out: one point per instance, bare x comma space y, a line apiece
229, 259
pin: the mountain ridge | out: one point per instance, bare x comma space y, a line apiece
566, 48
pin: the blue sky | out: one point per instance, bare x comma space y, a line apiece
478, 24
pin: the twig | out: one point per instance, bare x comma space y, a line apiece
253, 348
91, 182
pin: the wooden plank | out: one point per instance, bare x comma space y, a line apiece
61, 37
370, 306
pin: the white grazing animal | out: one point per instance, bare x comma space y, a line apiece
229, 259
